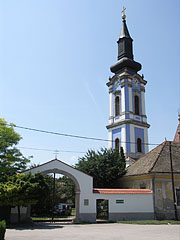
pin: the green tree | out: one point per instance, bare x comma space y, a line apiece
23, 190
43, 206
11, 159
65, 191
105, 166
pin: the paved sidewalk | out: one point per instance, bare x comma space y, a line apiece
95, 231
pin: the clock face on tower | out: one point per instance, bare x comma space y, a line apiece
135, 81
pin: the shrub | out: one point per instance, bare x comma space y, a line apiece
2, 229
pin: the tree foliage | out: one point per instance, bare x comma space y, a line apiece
105, 166
64, 193
11, 159
65, 190
43, 206
23, 190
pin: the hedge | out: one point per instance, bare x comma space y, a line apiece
2, 229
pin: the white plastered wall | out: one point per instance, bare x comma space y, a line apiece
133, 203
84, 181
123, 99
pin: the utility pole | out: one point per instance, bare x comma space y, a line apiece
172, 179
53, 200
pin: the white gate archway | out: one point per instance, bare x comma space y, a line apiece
123, 204
83, 186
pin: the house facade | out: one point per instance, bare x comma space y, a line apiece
159, 171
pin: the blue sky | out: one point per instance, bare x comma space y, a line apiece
55, 58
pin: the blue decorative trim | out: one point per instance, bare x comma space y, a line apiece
137, 88
128, 139
137, 118
127, 116
126, 98
116, 133
140, 104
139, 133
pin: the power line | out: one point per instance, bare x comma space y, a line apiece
55, 133
68, 135
69, 151
50, 150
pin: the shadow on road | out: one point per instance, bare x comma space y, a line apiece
42, 225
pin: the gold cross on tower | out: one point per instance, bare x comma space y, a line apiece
123, 13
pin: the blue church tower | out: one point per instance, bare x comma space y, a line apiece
128, 127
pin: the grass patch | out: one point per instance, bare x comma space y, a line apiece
2, 229
49, 218
150, 222
73, 212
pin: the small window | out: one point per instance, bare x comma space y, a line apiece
117, 144
86, 202
139, 145
178, 196
136, 104
117, 106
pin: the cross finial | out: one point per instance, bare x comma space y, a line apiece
56, 153
179, 114
123, 13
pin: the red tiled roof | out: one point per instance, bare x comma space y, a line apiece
121, 191
156, 161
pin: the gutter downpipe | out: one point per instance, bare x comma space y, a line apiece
153, 189
172, 179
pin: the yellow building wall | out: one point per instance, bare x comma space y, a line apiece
161, 185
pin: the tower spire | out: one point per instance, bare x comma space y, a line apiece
125, 50
124, 29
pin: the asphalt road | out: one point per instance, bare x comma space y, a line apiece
112, 231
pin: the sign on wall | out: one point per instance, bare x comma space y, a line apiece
119, 201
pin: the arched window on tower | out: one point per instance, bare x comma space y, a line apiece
139, 145
117, 144
117, 106
136, 104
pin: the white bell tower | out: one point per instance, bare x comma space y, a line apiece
128, 125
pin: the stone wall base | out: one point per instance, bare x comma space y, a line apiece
91, 217
168, 215
130, 216
86, 217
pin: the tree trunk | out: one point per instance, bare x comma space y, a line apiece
5, 212
19, 214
